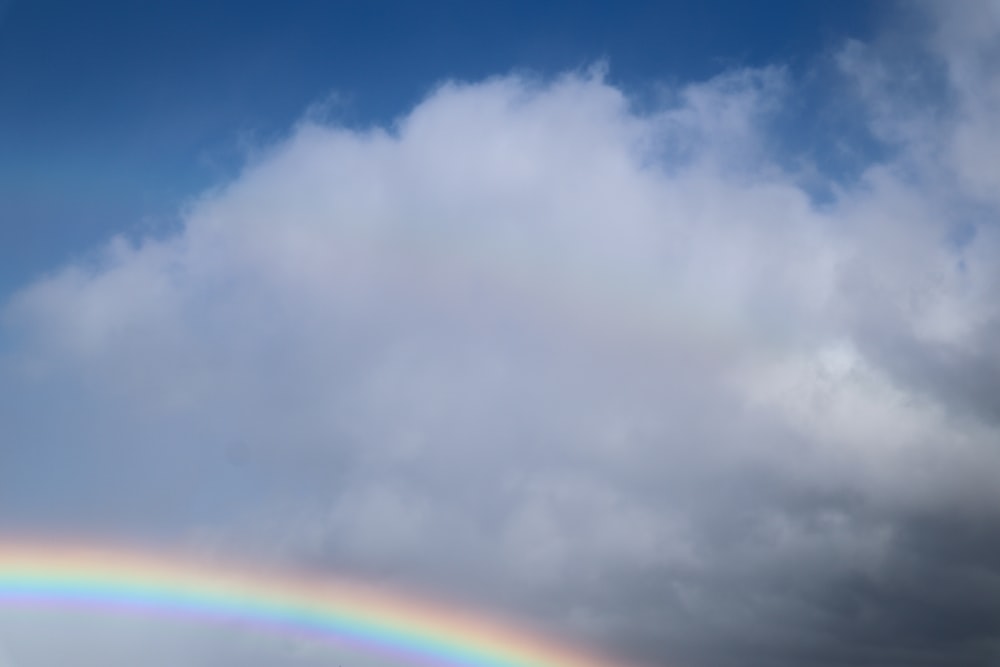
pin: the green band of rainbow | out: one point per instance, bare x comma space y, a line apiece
75, 576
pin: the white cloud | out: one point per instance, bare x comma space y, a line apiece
536, 349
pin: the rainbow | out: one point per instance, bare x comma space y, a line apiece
122, 580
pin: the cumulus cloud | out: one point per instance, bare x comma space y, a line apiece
5, 660
531, 348
119, 639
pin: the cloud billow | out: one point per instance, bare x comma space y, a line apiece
530, 348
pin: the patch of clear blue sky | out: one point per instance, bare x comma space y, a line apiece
113, 112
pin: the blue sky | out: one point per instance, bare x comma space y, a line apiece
114, 114
666, 329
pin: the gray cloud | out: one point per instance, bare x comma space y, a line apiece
530, 349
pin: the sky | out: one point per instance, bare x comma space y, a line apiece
670, 332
